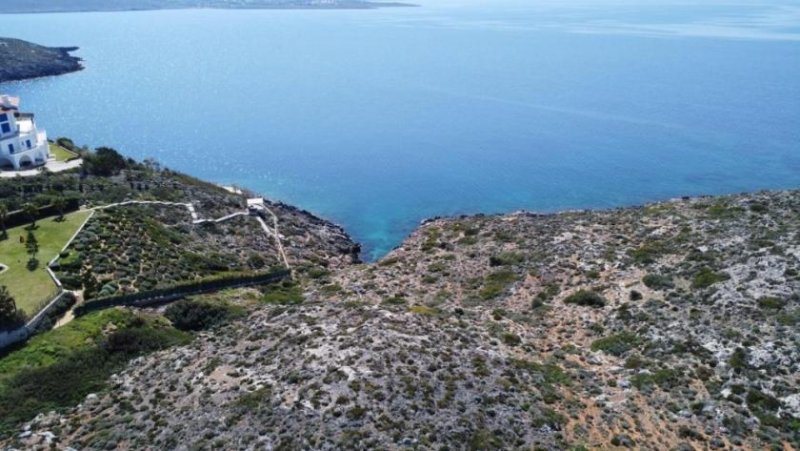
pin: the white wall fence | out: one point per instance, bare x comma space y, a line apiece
22, 333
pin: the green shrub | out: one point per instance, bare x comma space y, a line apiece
707, 277
356, 413
586, 298
256, 261
189, 314
484, 439
331, 289
617, 344
10, 316
635, 361
771, 303
506, 259
657, 282
550, 418
738, 359
550, 373
284, 293
665, 378
760, 402
137, 340
104, 162
689, 433
253, 401
648, 252
395, 300
511, 339
789, 319
496, 283
722, 211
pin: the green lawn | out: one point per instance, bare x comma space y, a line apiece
60, 153
31, 288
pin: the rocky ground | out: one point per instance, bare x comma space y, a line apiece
672, 326
21, 60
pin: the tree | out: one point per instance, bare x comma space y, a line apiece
105, 162
32, 212
90, 285
3, 219
66, 143
32, 246
60, 204
9, 315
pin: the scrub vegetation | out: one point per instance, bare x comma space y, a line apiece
672, 326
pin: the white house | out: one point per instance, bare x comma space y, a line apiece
22, 145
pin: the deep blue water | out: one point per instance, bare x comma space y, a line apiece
377, 119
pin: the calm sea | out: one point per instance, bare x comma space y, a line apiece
378, 119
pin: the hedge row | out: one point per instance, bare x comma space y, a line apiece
19, 217
186, 289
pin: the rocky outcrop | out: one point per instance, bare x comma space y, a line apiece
671, 326
21, 60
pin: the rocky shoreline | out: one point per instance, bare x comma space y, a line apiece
22, 60
668, 326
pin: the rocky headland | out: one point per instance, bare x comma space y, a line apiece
670, 326
22, 60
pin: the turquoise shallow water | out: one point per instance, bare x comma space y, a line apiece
378, 119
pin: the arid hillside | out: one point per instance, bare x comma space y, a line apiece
671, 326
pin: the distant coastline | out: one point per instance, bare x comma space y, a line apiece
82, 6
22, 60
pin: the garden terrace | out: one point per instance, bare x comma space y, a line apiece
109, 178
33, 288
62, 154
135, 248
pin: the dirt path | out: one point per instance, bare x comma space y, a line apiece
274, 232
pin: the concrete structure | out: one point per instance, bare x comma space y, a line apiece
22, 144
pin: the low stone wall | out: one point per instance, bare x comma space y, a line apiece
166, 295
22, 333
145, 299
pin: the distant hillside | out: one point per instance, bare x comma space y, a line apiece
20, 60
41, 6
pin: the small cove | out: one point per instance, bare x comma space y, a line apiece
378, 119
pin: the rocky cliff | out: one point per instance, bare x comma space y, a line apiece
21, 60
